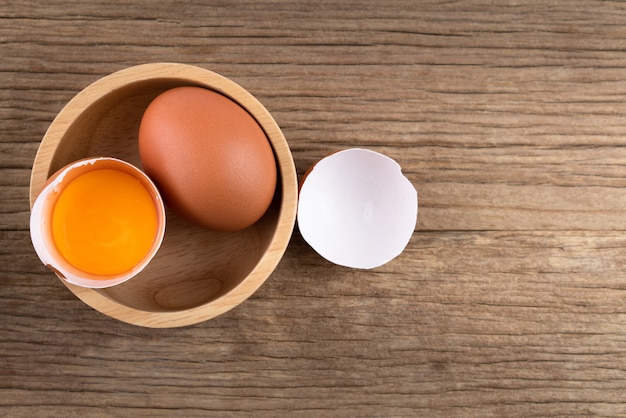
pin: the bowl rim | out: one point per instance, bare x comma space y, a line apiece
194, 75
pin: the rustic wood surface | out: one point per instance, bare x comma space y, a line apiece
510, 300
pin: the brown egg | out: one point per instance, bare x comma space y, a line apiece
209, 157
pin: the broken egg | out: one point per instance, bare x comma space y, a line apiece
97, 222
357, 209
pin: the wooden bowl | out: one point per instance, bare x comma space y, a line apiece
197, 274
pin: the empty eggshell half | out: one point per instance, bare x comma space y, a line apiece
357, 209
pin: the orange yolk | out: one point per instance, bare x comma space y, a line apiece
104, 222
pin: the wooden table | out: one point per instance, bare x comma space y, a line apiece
510, 300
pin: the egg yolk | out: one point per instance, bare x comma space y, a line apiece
104, 222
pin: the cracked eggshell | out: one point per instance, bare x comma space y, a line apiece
41, 222
357, 209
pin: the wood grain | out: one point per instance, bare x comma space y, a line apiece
509, 300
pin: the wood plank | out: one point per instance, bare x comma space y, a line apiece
509, 300
541, 311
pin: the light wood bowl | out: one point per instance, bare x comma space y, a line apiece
197, 274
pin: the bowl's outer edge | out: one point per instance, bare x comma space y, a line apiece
288, 205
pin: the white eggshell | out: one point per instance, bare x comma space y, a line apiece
357, 209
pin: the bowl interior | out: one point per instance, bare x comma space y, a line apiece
194, 266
